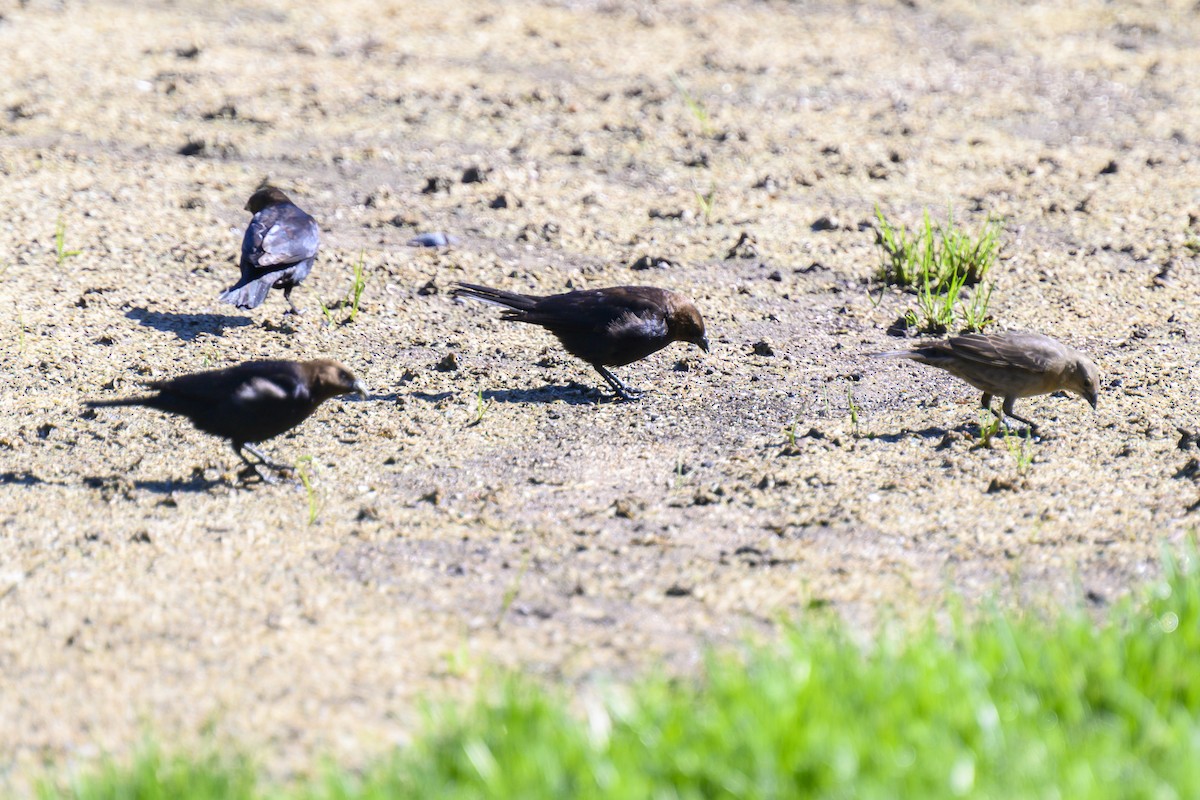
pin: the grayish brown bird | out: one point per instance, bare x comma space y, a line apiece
249, 403
278, 249
604, 327
1012, 365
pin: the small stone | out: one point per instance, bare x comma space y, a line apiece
433, 184
433, 239
449, 363
475, 174
763, 348
652, 262
744, 247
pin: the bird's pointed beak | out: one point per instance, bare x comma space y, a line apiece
1093, 399
702, 343
360, 389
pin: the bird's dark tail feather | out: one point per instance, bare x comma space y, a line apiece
247, 295
520, 302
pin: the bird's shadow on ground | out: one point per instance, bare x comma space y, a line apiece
19, 479
195, 484
933, 432
573, 394
967, 429
187, 326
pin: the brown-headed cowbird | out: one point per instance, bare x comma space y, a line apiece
249, 403
277, 251
1011, 365
604, 327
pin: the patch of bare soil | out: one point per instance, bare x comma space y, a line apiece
503, 511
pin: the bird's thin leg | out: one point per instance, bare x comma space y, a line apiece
287, 295
986, 405
263, 458
266, 477
623, 391
1008, 409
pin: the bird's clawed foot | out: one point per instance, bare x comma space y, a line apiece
294, 309
623, 392
263, 467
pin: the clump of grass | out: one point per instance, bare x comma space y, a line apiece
989, 426
1004, 704
853, 407
481, 408
1020, 446
357, 285
310, 489
326, 312
697, 109
790, 430
512, 591
353, 298
939, 262
61, 253
706, 203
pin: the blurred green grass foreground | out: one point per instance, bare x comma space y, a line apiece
1006, 705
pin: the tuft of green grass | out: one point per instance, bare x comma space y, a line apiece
308, 481
512, 591
975, 316
706, 203
61, 253
697, 109
853, 407
209, 774
790, 430
1020, 447
989, 426
326, 312
938, 262
357, 285
1076, 703
481, 408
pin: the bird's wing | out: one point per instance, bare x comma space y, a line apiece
644, 325
1028, 351
260, 388
281, 234
615, 309
248, 383
294, 237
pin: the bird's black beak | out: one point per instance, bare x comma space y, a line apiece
1092, 398
702, 343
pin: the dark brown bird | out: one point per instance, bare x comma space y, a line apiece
278, 249
604, 327
249, 403
1011, 365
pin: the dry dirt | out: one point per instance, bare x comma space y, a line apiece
145, 585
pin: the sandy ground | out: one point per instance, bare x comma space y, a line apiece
145, 585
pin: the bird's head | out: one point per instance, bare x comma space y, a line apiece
1085, 379
327, 378
685, 323
264, 197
